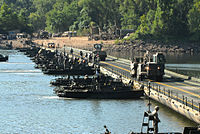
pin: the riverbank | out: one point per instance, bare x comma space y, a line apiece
118, 46
156, 46
75, 42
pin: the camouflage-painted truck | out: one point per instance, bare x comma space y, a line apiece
95, 33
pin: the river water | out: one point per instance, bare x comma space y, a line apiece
28, 105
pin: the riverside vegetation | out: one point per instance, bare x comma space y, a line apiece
155, 19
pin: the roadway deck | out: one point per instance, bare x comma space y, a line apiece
181, 89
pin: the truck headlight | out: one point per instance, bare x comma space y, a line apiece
159, 68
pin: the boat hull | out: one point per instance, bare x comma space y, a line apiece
4, 59
69, 72
132, 94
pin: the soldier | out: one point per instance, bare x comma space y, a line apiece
90, 57
86, 55
106, 130
81, 53
71, 51
146, 57
156, 120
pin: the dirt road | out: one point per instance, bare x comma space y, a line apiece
76, 42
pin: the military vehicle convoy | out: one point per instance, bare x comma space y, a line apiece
98, 53
103, 34
148, 68
43, 34
108, 33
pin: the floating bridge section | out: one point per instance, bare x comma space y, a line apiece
178, 92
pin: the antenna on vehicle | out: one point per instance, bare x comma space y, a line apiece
149, 93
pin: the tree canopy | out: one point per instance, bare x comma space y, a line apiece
148, 18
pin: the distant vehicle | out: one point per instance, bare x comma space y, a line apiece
56, 34
99, 53
69, 34
44, 35
106, 34
21, 35
51, 45
124, 33
148, 68
65, 34
3, 36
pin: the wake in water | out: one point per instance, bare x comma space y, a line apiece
20, 71
22, 63
56, 97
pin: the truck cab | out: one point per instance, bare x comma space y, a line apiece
99, 53
147, 67
51, 45
155, 69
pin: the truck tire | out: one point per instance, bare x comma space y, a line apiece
103, 59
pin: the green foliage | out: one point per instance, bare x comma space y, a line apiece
156, 19
83, 32
118, 41
8, 19
194, 21
61, 20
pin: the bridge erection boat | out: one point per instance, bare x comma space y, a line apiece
101, 87
3, 58
95, 94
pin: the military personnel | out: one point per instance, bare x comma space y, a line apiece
146, 57
106, 130
156, 120
71, 51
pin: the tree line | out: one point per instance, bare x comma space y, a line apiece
166, 19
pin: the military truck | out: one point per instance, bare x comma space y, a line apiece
148, 68
43, 35
124, 33
98, 53
21, 35
51, 45
94, 33
106, 34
